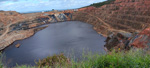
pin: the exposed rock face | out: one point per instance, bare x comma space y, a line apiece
142, 40
118, 41
7, 17
60, 17
124, 15
124, 41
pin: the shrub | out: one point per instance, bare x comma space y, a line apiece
53, 61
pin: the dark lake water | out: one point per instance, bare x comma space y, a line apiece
71, 38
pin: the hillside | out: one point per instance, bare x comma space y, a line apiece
121, 15
102, 3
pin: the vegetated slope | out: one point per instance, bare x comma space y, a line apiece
102, 3
120, 15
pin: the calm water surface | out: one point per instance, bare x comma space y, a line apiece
71, 38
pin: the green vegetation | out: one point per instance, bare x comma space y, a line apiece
102, 3
53, 61
131, 59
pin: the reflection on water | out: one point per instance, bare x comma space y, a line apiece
70, 37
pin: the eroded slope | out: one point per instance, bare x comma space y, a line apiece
120, 15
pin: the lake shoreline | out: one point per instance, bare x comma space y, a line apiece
31, 31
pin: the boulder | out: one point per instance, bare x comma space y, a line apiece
118, 41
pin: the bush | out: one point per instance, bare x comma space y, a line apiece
53, 61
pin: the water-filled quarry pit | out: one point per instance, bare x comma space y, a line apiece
71, 38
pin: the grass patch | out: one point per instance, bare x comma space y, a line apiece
131, 59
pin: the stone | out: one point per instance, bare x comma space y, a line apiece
18, 45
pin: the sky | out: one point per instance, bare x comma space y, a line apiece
40, 5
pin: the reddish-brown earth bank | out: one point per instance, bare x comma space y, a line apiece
121, 15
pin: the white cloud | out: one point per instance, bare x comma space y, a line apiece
37, 5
